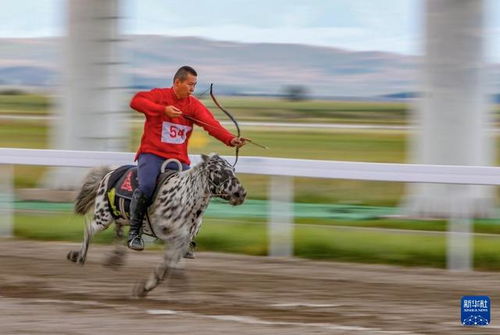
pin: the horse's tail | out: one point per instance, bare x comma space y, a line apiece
86, 197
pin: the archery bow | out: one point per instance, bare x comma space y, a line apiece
230, 117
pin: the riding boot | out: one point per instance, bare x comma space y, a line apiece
138, 207
190, 253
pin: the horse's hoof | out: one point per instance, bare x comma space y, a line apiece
179, 281
73, 256
114, 262
139, 291
81, 260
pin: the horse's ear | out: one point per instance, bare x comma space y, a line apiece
205, 157
214, 155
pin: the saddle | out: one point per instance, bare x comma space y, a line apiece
122, 183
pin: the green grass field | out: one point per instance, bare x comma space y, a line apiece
27, 104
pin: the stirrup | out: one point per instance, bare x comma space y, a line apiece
136, 243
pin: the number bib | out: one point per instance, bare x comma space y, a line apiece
174, 133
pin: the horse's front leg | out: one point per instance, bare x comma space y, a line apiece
173, 254
193, 233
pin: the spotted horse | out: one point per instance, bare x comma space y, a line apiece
175, 214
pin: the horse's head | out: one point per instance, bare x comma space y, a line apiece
222, 180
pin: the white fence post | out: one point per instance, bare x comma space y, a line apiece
6, 201
280, 225
459, 244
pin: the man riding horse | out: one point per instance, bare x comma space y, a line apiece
170, 115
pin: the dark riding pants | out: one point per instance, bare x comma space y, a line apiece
148, 170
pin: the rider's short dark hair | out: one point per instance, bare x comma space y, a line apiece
183, 72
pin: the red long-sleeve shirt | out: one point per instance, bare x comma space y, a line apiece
169, 137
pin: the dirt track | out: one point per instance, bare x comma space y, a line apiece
42, 293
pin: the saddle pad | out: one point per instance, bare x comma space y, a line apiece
116, 175
127, 183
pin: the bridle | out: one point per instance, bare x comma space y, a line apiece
218, 187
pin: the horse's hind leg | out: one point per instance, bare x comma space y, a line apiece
92, 228
101, 220
115, 258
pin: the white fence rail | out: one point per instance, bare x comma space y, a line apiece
282, 171
416, 173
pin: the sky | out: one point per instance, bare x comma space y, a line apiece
383, 25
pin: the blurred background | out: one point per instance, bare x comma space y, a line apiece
384, 81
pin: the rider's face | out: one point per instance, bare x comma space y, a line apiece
185, 88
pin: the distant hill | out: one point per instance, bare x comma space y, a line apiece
236, 68
400, 96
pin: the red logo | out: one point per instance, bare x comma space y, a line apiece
127, 185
